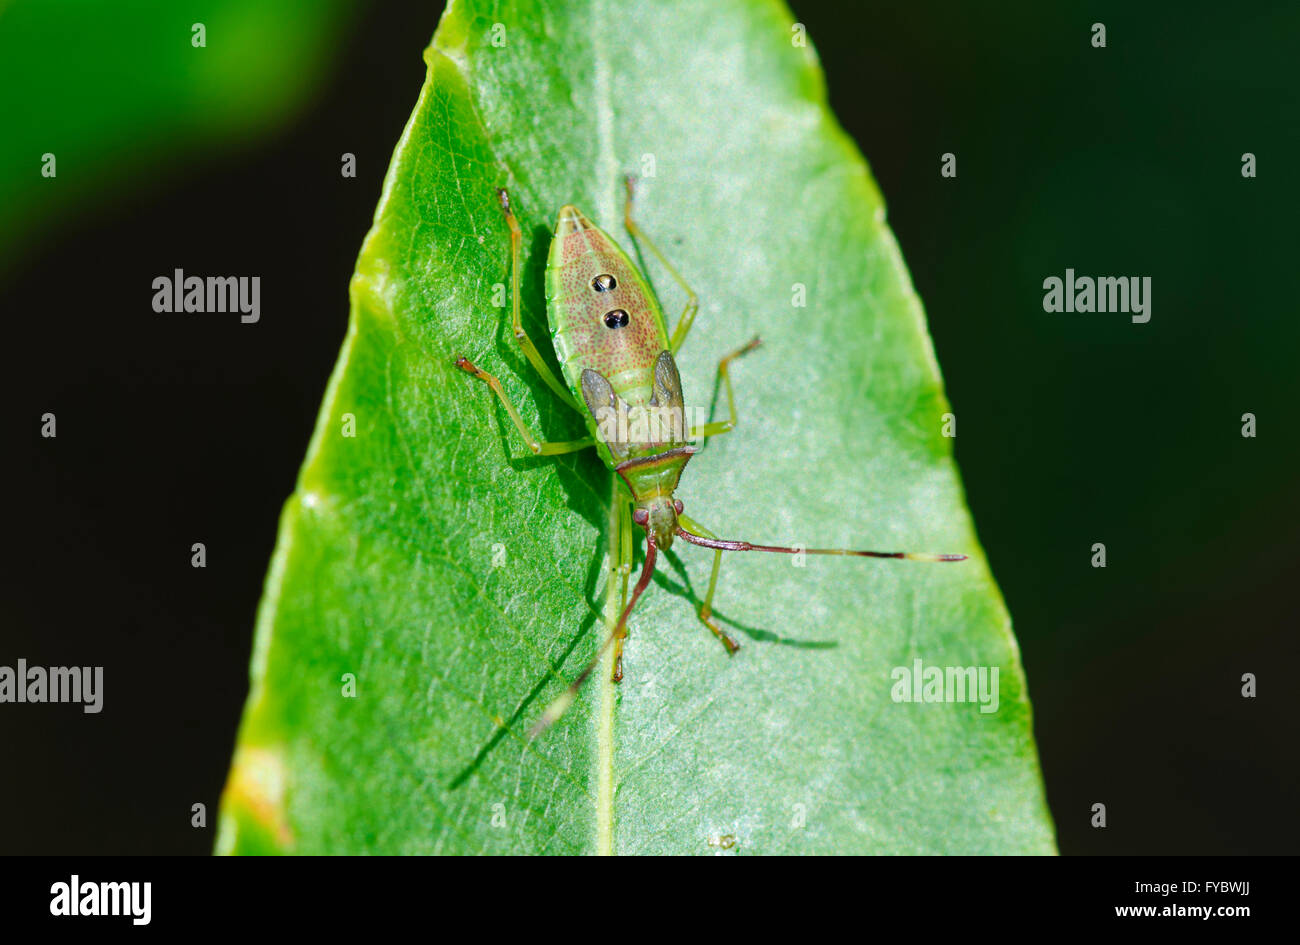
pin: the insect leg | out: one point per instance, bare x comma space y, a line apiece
726, 426
706, 609
624, 567
530, 350
538, 447
687, 317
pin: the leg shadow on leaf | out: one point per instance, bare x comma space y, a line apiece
687, 590
594, 613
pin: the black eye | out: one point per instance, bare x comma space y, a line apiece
604, 283
616, 319
677, 504
640, 516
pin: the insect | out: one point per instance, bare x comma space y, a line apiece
613, 347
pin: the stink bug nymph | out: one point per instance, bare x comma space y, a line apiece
620, 373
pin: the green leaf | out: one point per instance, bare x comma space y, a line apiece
461, 584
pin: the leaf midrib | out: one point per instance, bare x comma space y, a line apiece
608, 166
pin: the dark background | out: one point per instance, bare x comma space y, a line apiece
1073, 428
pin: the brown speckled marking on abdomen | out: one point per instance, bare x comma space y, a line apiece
626, 356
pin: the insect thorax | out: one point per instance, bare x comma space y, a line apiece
655, 476
652, 480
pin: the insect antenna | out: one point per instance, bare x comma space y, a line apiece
562, 702
722, 545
